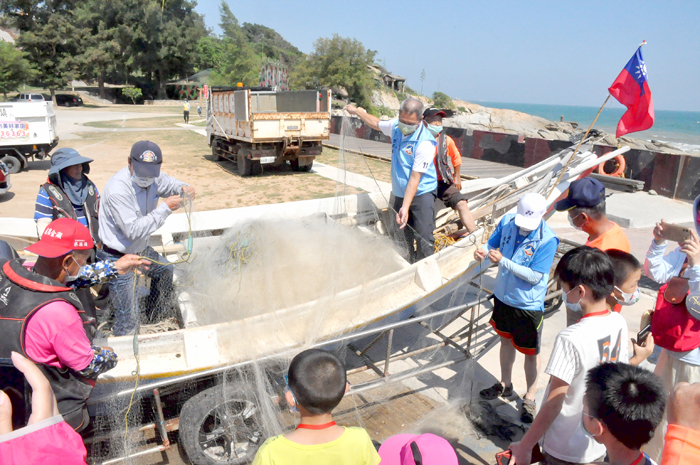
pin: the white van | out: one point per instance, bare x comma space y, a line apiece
26, 97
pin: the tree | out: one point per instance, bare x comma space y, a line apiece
337, 62
239, 62
133, 93
441, 100
15, 69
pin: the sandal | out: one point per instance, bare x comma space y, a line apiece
529, 411
495, 391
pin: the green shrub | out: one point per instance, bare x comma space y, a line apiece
443, 100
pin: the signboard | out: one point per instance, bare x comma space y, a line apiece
15, 130
205, 92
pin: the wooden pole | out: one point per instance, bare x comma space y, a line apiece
578, 147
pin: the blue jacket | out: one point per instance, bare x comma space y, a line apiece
403, 152
511, 289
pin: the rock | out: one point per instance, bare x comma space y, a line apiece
381, 98
652, 192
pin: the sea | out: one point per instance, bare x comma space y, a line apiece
680, 129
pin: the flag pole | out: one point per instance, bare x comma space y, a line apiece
554, 186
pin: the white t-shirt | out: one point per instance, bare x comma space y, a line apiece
424, 153
577, 349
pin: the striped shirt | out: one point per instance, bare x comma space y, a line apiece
44, 207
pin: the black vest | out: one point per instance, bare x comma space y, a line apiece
63, 208
22, 293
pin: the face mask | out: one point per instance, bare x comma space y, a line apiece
141, 181
524, 232
583, 425
434, 130
407, 129
573, 307
571, 222
628, 299
71, 278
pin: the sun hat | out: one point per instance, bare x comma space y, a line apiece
417, 449
531, 209
61, 237
65, 157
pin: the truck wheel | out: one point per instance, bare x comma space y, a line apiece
297, 167
216, 151
13, 164
221, 425
245, 164
257, 168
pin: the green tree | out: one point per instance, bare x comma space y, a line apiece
441, 100
15, 69
270, 44
133, 93
337, 62
239, 62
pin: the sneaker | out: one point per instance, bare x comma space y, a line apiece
529, 411
495, 391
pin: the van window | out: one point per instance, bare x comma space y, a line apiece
37, 97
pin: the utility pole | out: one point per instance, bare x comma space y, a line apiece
422, 78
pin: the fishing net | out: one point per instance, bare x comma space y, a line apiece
254, 287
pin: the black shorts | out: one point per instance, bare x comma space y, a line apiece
449, 194
522, 327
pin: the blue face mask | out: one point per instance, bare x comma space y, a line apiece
407, 129
434, 130
574, 307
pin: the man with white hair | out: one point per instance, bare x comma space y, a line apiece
413, 176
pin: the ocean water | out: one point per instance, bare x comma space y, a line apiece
678, 128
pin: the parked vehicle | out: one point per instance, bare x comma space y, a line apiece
256, 126
29, 97
27, 131
68, 100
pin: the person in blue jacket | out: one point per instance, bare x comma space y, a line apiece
523, 246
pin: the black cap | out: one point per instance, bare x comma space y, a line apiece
583, 193
432, 111
146, 159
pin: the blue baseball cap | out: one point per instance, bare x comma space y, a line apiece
65, 157
583, 193
146, 159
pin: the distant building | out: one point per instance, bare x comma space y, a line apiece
392, 81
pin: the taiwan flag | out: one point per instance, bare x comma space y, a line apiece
632, 90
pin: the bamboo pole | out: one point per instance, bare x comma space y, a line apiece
578, 147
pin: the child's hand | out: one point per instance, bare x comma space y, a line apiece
645, 350
519, 455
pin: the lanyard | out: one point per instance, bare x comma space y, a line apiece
604, 312
323, 426
639, 460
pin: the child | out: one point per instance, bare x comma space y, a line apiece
586, 276
622, 407
628, 272
317, 383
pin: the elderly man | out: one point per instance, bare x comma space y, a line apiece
129, 215
447, 162
41, 317
413, 177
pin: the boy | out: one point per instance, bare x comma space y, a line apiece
586, 276
622, 407
523, 246
317, 382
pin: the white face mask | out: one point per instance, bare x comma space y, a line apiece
627, 298
571, 222
71, 278
574, 307
142, 182
524, 232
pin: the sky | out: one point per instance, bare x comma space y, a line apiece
527, 51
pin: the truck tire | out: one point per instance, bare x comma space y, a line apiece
257, 168
297, 167
14, 165
221, 425
216, 151
245, 164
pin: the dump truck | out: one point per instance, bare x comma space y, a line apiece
253, 127
27, 131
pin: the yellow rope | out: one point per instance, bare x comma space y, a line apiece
442, 241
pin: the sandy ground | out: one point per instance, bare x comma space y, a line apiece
111, 133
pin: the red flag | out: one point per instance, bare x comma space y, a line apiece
632, 90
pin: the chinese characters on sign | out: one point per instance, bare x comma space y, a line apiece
14, 130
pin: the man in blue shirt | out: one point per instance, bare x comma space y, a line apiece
523, 246
413, 176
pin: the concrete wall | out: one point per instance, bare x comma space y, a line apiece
671, 175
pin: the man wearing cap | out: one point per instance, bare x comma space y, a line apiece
42, 318
413, 177
523, 246
447, 162
68, 193
585, 203
129, 214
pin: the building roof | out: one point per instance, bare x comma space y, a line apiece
395, 77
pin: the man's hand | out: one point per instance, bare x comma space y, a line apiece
480, 254
495, 256
683, 406
458, 184
43, 401
130, 262
659, 233
691, 247
174, 202
643, 352
352, 109
189, 192
519, 454
402, 217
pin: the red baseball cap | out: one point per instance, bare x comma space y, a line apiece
60, 237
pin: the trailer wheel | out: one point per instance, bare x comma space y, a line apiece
221, 426
245, 164
14, 165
